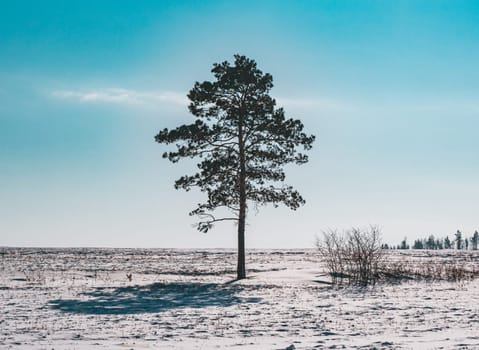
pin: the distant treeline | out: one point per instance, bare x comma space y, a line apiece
458, 242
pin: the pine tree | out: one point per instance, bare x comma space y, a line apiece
431, 243
475, 240
243, 141
418, 244
447, 243
404, 244
439, 244
458, 239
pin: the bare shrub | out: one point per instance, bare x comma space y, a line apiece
354, 256
332, 250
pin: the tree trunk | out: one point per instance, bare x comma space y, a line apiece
241, 270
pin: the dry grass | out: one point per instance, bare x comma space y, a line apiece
450, 269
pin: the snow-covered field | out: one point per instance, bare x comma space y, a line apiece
185, 299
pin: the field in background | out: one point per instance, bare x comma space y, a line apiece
183, 299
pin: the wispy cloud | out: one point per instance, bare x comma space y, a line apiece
156, 98
122, 96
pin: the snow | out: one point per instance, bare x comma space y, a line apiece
188, 299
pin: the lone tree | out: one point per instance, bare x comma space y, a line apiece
242, 141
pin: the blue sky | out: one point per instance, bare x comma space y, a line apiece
388, 87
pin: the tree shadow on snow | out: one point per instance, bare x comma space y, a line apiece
153, 298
